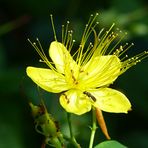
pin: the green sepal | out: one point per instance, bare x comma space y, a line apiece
46, 125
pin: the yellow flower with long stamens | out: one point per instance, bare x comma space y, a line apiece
83, 79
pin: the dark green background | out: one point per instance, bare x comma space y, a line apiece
20, 20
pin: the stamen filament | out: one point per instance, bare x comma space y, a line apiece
63, 34
119, 41
52, 22
85, 37
66, 32
42, 55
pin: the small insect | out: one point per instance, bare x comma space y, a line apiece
89, 95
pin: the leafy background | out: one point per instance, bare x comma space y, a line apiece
20, 20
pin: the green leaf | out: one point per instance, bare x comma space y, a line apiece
110, 144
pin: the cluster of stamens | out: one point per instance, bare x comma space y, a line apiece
100, 47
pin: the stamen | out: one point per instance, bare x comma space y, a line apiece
119, 41
125, 57
68, 39
65, 33
100, 47
86, 34
89, 26
41, 48
87, 54
52, 22
71, 44
105, 41
42, 54
133, 61
40, 60
99, 34
132, 44
107, 32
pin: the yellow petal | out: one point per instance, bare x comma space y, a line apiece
61, 58
110, 100
100, 71
47, 79
74, 101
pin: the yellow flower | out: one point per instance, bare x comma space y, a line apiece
83, 79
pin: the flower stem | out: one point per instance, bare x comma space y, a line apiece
73, 140
93, 129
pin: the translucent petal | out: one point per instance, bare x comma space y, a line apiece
47, 79
74, 101
110, 100
100, 71
62, 58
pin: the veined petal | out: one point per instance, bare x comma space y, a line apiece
110, 100
62, 58
100, 71
47, 79
74, 101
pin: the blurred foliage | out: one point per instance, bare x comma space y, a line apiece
110, 144
30, 19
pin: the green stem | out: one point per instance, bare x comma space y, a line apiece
93, 129
73, 140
